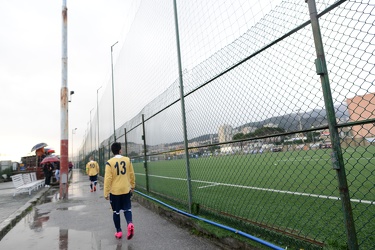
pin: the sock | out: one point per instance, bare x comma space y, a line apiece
91, 186
116, 220
128, 216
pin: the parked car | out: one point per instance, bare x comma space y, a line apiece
326, 145
277, 149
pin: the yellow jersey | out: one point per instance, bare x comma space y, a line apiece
119, 176
92, 168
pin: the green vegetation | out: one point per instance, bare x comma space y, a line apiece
7, 171
263, 131
294, 192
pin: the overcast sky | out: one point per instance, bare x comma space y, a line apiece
30, 59
30, 67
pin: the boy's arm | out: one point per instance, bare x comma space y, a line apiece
107, 180
132, 176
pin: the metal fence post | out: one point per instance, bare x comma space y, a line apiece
145, 152
183, 107
109, 149
337, 157
101, 160
126, 143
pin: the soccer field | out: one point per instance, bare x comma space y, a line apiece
294, 192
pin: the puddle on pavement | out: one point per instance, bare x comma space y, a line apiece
74, 208
32, 232
35, 236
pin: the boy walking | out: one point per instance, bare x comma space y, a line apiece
92, 170
119, 184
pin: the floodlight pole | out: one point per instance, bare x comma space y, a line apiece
97, 110
64, 128
113, 94
91, 129
72, 159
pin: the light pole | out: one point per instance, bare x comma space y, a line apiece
91, 129
113, 94
97, 110
73, 132
70, 95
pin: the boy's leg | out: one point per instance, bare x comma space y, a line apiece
117, 221
91, 183
127, 208
114, 200
95, 182
129, 216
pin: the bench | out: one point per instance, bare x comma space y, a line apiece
23, 183
38, 183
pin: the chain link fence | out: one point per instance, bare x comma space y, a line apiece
268, 123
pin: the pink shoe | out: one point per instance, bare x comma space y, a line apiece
118, 235
130, 231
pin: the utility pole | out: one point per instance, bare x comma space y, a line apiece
64, 128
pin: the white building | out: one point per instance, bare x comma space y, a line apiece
225, 133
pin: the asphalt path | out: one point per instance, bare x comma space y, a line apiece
83, 221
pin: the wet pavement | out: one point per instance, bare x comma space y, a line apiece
84, 221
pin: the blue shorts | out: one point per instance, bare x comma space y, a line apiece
120, 202
94, 178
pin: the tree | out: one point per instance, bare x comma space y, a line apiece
238, 136
213, 148
268, 131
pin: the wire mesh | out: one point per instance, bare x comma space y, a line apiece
260, 150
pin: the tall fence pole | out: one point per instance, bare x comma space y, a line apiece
186, 146
145, 151
64, 129
113, 94
126, 143
336, 157
109, 149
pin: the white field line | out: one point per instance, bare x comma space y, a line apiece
210, 184
300, 159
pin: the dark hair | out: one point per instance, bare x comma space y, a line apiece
116, 147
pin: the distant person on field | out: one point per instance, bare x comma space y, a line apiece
92, 169
119, 184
